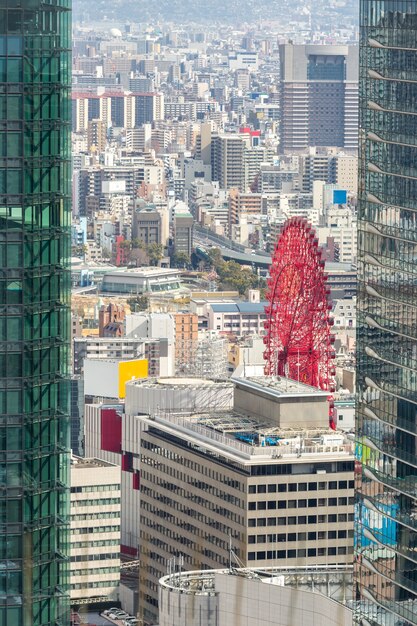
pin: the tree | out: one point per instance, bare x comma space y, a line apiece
215, 257
155, 253
180, 259
79, 250
138, 303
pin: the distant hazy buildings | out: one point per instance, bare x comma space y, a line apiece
319, 96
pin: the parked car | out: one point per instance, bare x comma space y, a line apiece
119, 614
111, 610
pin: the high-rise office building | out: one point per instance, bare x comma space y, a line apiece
386, 471
35, 72
319, 97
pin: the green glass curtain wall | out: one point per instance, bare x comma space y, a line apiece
35, 77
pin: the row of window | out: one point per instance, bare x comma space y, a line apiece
299, 554
299, 504
94, 544
279, 469
95, 502
95, 488
183, 503
283, 488
95, 557
94, 585
186, 464
207, 489
94, 516
310, 536
301, 519
94, 571
95, 529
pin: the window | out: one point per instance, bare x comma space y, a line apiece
261, 488
272, 488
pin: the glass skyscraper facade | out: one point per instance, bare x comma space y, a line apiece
386, 448
35, 69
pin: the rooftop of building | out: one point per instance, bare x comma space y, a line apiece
335, 581
146, 272
84, 463
239, 307
252, 377
251, 440
178, 382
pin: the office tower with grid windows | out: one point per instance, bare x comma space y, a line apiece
386, 449
35, 68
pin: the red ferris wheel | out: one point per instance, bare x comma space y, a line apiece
298, 340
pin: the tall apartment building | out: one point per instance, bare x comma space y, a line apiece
149, 107
183, 232
386, 532
319, 96
241, 204
35, 244
95, 531
227, 161
186, 337
96, 136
